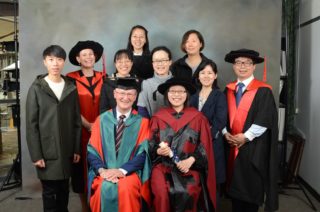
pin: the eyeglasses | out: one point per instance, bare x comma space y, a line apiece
123, 94
240, 63
160, 62
179, 92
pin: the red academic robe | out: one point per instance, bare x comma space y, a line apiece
89, 98
187, 136
133, 190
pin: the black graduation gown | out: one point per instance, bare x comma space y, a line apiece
255, 172
142, 67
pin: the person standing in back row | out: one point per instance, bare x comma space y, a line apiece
252, 135
138, 45
192, 44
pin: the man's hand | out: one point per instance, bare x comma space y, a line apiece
40, 163
240, 139
184, 165
76, 158
111, 175
230, 139
235, 140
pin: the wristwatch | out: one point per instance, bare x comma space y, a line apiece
247, 139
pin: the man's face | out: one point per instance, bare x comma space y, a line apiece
54, 65
243, 67
125, 98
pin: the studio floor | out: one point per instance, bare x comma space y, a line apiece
16, 200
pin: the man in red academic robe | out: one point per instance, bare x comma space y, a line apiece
252, 137
119, 165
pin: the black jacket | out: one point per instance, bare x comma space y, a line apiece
182, 70
53, 128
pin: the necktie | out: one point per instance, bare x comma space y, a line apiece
119, 132
239, 93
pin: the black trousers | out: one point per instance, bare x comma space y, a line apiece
55, 195
242, 206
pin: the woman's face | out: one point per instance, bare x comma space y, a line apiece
86, 58
177, 95
138, 39
123, 65
207, 76
161, 63
193, 44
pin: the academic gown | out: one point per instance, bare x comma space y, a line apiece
133, 190
253, 168
89, 99
142, 66
187, 136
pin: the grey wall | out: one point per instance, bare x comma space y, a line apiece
225, 25
308, 118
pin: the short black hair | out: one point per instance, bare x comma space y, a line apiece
56, 51
162, 48
202, 65
122, 52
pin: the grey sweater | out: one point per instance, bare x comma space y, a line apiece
148, 87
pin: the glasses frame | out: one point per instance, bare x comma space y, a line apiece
179, 92
124, 94
161, 62
244, 63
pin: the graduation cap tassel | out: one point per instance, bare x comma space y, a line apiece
264, 79
104, 70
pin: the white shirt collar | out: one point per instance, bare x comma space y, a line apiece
246, 82
126, 114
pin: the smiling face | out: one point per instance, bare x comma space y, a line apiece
193, 44
54, 65
243, 67
124, 99
138, 39
86, 58
161, 63
123, 65
207, 76
177, 95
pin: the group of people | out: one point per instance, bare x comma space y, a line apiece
156, 135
